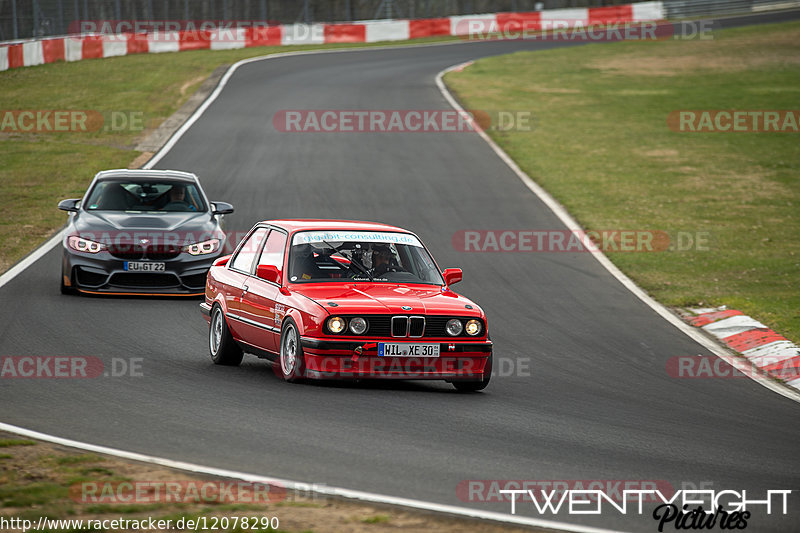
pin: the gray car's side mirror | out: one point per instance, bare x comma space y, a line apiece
221, 208
69, 205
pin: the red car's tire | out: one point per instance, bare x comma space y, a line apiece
291, 362
221, 346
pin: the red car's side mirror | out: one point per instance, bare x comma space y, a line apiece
269, 273
452, 275
222, 261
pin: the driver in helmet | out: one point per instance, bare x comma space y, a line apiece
381, 259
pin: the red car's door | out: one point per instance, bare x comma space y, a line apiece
259, 307
238, 275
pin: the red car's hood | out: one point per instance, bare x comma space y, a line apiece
389, 298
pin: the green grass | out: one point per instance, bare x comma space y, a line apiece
6, 443
27, 495
602, 147
78, 459
39, 169
377, 519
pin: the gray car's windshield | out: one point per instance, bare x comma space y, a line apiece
151, 196
326, 256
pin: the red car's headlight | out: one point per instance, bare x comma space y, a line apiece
473, 327
358, 325
336, 324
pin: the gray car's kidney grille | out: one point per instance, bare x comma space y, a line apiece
128, 252
134, 252
160, 252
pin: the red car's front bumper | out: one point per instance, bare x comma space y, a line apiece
344, 359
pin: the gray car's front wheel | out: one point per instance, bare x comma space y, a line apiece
223, 349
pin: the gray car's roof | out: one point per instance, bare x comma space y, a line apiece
145, 173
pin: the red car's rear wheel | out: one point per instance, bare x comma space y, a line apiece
223, 349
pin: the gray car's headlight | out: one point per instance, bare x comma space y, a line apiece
202, 248
79, 244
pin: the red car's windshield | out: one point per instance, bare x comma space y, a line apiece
326, 256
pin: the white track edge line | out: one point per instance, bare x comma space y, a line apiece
572, 224
306, 487
32, 257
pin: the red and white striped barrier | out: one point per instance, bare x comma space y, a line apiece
92, 46
765, 349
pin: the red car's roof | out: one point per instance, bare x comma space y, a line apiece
322, 224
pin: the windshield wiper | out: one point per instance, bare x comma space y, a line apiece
352, 260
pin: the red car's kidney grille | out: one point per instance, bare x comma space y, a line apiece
416, 326
399, 326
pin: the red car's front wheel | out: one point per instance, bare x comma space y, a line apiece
292, 361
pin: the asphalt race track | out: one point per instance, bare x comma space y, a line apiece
580, 390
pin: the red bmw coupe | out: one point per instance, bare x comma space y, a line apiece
330, 299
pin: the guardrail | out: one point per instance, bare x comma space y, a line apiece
156, 37
118, 37
26, 19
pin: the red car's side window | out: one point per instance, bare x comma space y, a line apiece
243, 260
273, 250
